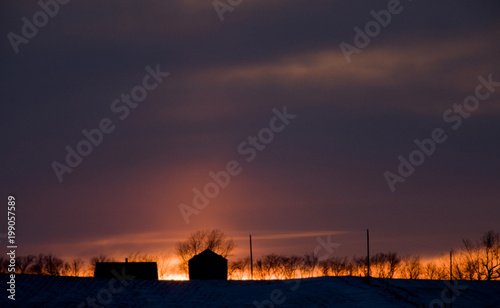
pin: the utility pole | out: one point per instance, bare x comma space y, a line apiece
251, 259
368, 253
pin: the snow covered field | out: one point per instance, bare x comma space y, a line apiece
52, 291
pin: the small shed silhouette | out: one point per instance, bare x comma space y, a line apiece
131, 270
207, 265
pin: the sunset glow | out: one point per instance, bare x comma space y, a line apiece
128, 126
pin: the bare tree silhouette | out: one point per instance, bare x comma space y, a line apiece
309, 264
412, 267
23, 262
236, 269
481, 259
215, 240
76, 265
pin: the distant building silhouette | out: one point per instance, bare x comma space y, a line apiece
137, 270
207, 265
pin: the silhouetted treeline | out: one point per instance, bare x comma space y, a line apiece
44, 265
476, 260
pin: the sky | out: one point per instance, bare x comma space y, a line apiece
317, 119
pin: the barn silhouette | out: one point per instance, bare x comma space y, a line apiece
133, 270
207, 265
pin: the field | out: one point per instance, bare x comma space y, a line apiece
53, 291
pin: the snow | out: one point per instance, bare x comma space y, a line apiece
52, 291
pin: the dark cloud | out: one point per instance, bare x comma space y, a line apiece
323, 172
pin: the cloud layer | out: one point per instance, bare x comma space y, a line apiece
323, 172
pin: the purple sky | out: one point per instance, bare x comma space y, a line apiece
322, 173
